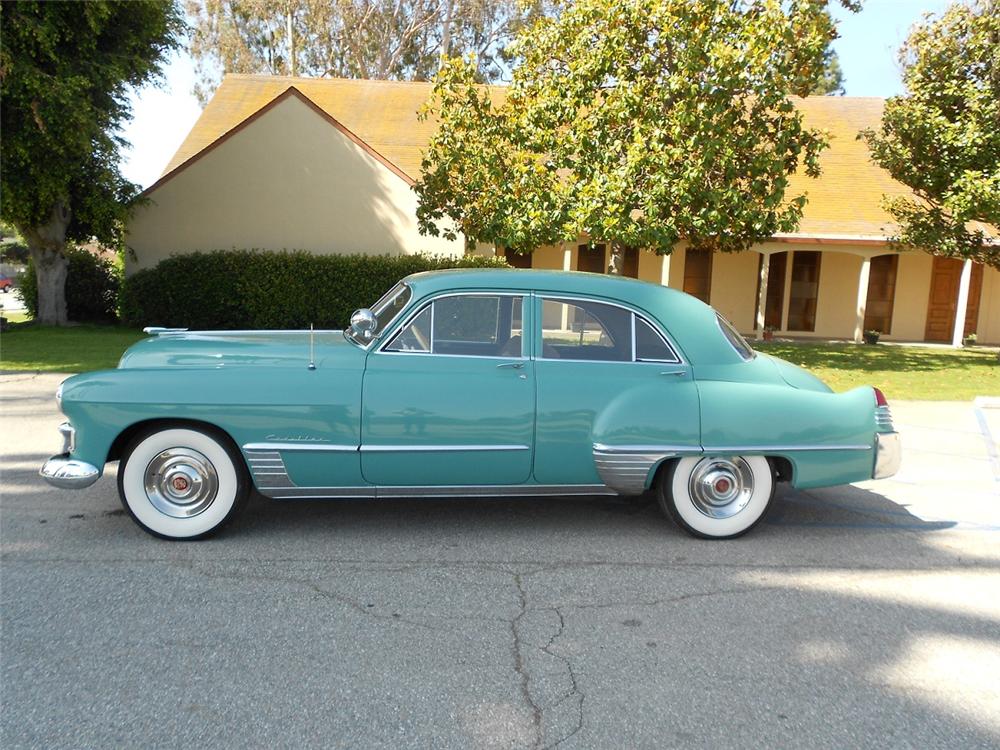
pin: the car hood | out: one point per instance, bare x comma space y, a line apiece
237, 348
796, 376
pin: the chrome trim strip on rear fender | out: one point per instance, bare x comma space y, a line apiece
627, 468
737, 449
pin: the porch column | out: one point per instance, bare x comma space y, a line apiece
963, 304
762, 294
859, 325
567, 266
665, 270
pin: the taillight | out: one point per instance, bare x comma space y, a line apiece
880, 398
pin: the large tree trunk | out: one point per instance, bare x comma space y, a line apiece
47, 243
616, 260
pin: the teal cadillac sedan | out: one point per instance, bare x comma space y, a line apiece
470, 383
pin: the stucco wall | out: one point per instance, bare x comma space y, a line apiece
734, 287
913, 288
988, 329
289, 180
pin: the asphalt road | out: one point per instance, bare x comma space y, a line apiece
859, 616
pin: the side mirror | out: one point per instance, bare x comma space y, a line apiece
363, 323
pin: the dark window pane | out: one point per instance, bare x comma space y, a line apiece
881, 293
585, 330
698, 273
804, 291
630, 265
649, 345
591, 258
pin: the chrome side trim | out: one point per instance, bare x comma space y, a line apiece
157, 330
888, 454
500, 490
268, 469
626, 468
782, 448
317, 493
439, 448
67, 473
303, 446
497, 490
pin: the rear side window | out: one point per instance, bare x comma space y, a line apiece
738, 342
585, 330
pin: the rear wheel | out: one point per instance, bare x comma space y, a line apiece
181, 482
717, 497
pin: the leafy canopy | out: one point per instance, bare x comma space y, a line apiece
66, 69
394, 39
942, 139
639, 122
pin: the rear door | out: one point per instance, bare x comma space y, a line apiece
606, 375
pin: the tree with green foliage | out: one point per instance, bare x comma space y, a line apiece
638, 123
942, 138
832, 81
66, 69
381, 39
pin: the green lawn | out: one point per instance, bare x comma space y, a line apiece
901, 372
73, 349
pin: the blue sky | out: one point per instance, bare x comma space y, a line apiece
867, 50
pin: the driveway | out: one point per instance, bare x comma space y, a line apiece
865, 615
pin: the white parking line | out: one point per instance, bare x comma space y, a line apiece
978, 405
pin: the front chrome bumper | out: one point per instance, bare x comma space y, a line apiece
68, 473
65, 472
888, 454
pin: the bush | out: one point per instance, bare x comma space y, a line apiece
92, 285
265, 290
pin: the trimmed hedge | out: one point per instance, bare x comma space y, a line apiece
247, 289
92, 285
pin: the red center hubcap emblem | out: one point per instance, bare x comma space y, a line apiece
180, 484
722, 485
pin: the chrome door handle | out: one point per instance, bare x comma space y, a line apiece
674, 372
512, 365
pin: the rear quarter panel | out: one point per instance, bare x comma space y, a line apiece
827, 437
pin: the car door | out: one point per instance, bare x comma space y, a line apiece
605, 375
449, 397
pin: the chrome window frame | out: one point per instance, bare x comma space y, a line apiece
391, 336
556, 297
366, 345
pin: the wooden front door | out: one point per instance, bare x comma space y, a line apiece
946, 275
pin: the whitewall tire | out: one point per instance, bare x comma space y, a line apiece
181, 482
717, 497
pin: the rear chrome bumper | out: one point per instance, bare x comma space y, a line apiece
68, 473
888, 454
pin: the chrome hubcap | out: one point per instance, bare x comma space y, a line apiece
721, 487
181, 482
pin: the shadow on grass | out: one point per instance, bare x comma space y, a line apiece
880, 358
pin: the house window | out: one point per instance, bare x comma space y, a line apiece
516, 259
774, 304
881, 293
805, 290
591, 258
630, 262
698, 273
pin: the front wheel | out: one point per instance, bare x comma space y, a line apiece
717, 497
181, 483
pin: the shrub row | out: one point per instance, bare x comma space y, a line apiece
92, 285
258, 290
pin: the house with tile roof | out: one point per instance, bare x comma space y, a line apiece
327, 166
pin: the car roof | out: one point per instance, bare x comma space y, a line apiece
689, 321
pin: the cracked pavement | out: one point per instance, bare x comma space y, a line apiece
854, 616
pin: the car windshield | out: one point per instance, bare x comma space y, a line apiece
385, 310
738, 342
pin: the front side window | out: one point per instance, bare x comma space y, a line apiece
580, 329
480, 325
